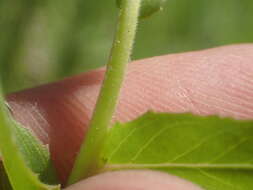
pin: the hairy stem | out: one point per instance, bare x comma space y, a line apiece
89, 160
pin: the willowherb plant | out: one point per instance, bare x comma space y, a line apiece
212, 152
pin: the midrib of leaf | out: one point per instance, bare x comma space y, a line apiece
171, 164
180, 166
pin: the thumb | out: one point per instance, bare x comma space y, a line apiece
214, 81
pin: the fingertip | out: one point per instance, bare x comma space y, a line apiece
213, 81
134, 180
207, 82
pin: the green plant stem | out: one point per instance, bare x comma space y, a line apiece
89, 160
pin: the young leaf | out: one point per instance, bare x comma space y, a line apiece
148, 7
36, 155
212, 152
25, 160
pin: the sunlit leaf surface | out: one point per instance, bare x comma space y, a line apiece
212, 152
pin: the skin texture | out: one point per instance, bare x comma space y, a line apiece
214, 81
134, 180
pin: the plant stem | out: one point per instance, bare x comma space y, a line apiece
89, 161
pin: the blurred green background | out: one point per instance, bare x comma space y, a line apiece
46, 40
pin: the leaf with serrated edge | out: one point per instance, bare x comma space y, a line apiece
215, 153
25, 160
36, 155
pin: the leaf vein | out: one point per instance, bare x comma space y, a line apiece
230, 149
127, 137
158, 133
196, 146
218, 179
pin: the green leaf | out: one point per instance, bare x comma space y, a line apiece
36, 157
215, 153
26, 161
148, 7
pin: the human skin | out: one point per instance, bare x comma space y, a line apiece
215, 81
